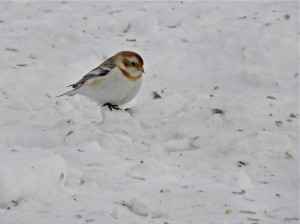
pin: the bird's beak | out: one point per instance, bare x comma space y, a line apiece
141, 69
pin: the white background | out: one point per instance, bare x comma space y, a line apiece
171, 160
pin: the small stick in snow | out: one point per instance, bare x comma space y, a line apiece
155, 95
241, 192
69, 133
217, 111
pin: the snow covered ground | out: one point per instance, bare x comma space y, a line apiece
219, 146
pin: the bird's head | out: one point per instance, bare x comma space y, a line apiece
130, 62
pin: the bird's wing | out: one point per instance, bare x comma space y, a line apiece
101, 70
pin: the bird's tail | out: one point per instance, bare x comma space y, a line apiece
69, 93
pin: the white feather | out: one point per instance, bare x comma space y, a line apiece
113, 88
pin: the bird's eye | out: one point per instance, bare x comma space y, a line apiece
133, 63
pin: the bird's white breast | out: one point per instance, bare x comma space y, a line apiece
113, 88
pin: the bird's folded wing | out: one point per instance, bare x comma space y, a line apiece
101, 70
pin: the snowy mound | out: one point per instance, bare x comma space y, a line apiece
26, 172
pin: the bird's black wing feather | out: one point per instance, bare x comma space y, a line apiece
101, 70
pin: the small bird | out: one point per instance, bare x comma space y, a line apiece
114, 82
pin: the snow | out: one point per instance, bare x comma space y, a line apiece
235, 179
26, 172
178, 145
219, 146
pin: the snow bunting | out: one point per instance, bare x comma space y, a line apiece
114, 82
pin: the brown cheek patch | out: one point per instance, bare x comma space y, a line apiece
131, 78
126, 63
